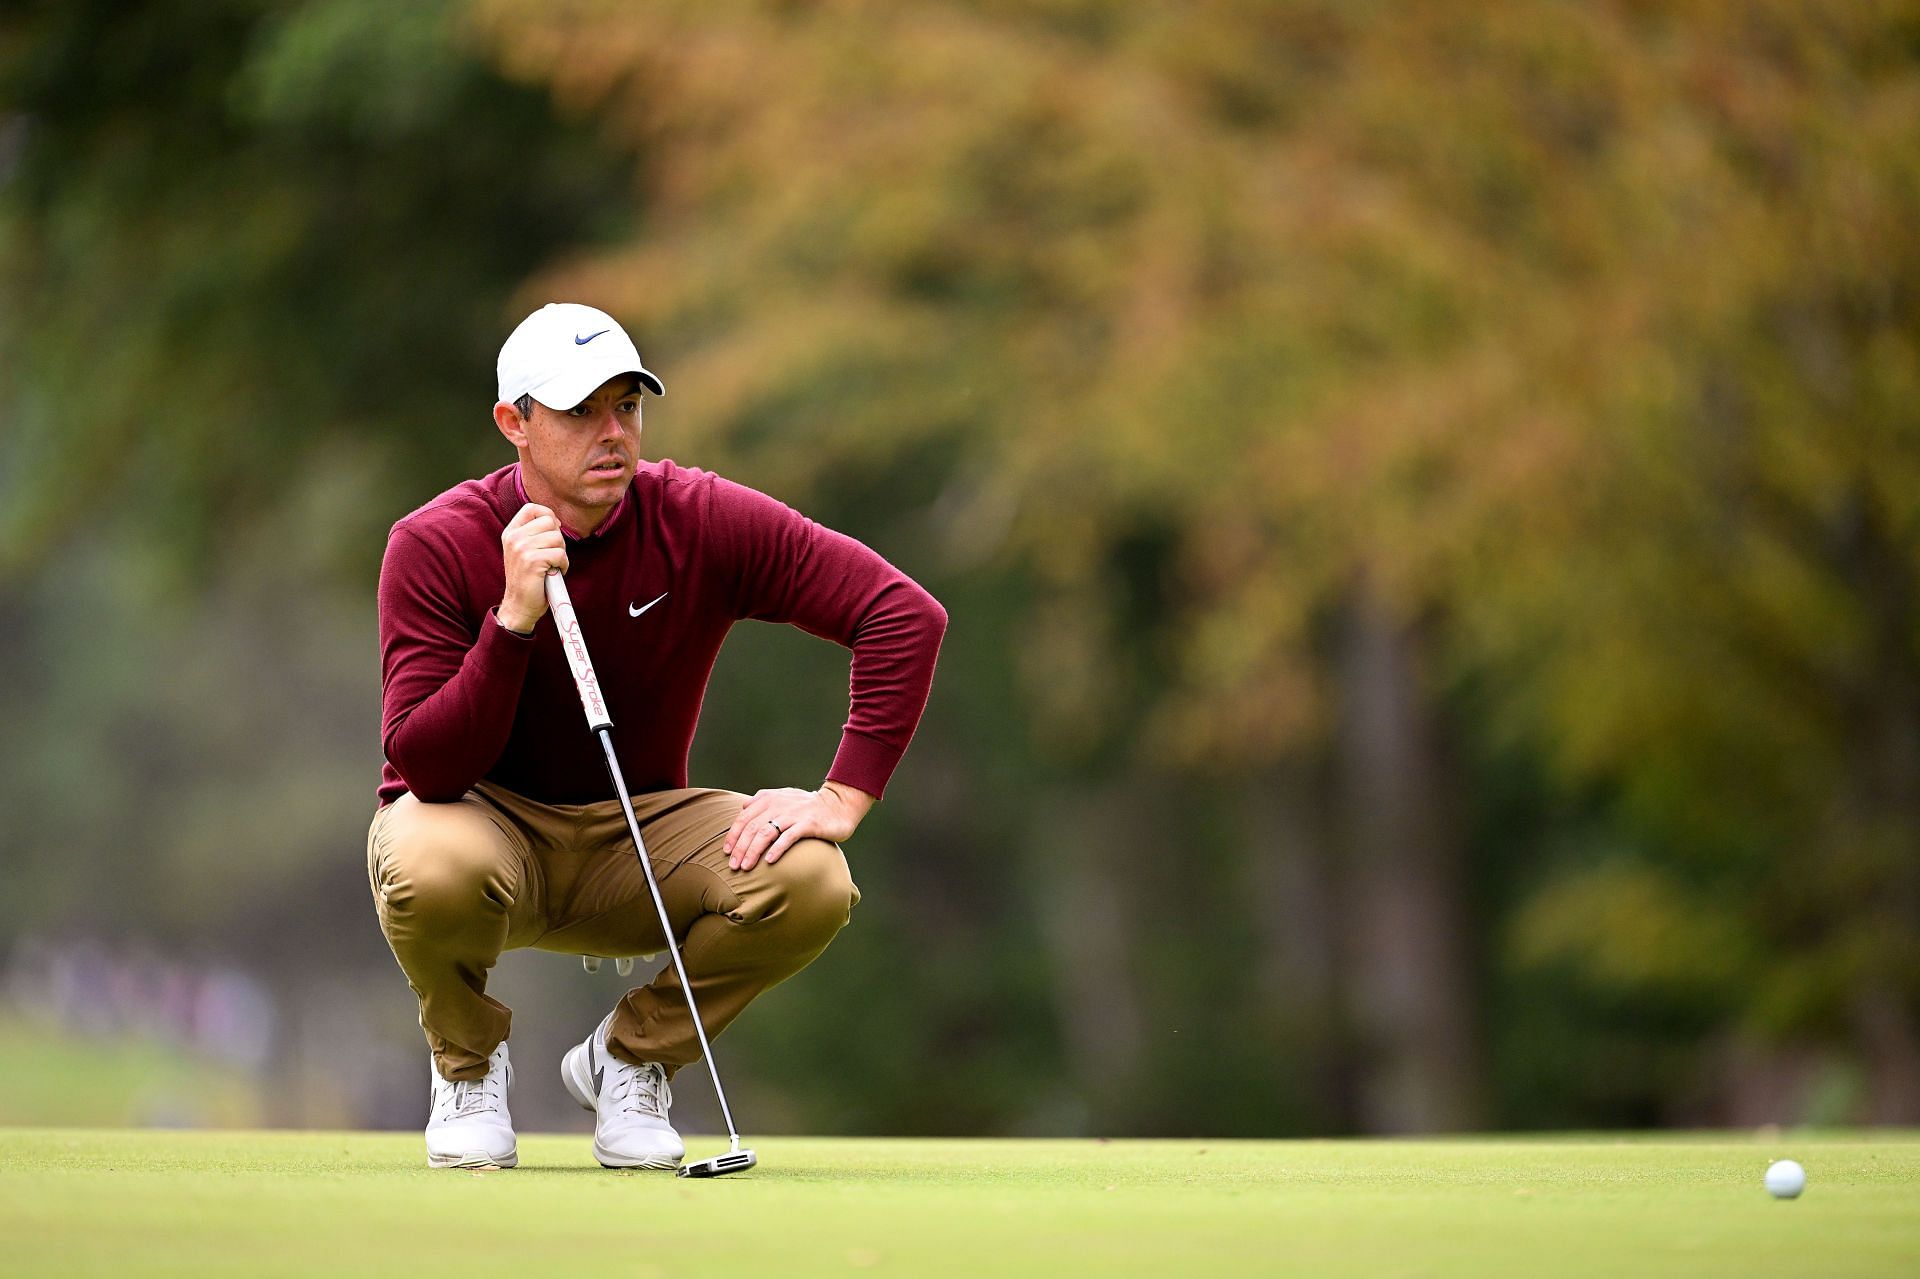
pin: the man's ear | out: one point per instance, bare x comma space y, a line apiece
511, 424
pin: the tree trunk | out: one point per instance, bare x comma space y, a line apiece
1086, 841
1406, 961
1885, 808
1294, 889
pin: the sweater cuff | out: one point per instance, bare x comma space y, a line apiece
864, 763
499, 625
501, 652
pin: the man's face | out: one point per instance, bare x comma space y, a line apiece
586, 455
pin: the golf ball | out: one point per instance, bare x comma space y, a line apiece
1785, 1179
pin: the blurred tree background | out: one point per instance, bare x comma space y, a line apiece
1428, 498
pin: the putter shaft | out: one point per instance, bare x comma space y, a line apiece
666, 928
601, 723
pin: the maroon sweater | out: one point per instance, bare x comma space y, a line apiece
465, 699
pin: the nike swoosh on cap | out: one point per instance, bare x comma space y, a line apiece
635, 612
582, 341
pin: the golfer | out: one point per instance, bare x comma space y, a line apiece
495, 828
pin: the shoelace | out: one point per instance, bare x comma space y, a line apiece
475, 1096
641, 1090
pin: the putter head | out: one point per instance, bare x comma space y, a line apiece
720, 1165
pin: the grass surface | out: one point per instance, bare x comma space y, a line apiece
80, 1202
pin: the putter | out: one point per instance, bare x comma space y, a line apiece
560, 604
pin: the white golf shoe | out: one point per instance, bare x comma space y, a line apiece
630, 1128
468, 1125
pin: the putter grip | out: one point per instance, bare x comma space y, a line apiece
560, 604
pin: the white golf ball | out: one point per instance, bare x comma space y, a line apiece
1785, 1179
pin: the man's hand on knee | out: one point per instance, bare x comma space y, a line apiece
772, 821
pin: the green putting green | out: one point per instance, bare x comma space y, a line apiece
87, 1202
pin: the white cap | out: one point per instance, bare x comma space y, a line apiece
563, 352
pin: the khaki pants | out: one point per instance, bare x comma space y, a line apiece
456, 884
